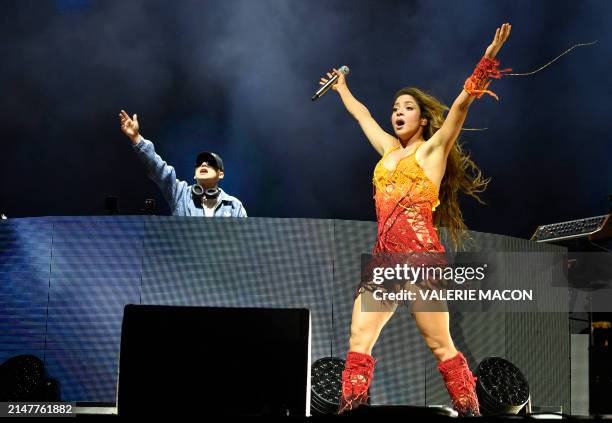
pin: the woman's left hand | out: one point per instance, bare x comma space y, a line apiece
501, 35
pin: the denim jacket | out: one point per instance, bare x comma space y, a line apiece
178, 193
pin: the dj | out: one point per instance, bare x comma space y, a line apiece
204, 198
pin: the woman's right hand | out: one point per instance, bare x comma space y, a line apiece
340, 82
130, 126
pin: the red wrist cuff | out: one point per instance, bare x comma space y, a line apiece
477, 84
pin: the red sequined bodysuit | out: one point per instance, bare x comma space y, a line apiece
405, 200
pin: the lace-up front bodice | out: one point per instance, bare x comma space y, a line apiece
405, 200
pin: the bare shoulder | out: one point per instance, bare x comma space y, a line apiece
426, 149
432, 159
436, 142
390, 145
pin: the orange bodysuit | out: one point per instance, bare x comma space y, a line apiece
405, 200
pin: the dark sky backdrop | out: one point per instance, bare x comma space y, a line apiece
236, 76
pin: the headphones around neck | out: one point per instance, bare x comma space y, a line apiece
210, 193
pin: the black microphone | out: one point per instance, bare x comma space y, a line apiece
328, 84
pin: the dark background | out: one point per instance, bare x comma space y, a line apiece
236, 77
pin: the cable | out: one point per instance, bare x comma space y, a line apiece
553, 60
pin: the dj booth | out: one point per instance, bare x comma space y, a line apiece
64, 283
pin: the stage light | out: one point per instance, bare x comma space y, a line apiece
501, 387
326, 383
22, 379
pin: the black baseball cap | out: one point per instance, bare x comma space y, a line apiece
212, 159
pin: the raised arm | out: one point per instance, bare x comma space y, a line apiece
157, 169
380, 140
446, 136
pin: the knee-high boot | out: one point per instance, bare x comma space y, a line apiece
356, 378
461, 385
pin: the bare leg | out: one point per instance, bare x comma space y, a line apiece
453, 366
434, 326
367, 325
359, 367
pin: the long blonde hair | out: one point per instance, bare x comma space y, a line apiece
461, 172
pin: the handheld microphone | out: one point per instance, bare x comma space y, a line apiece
325, 88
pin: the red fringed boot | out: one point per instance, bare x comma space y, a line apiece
461, 385
356, 378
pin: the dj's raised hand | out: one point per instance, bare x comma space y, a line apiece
130, 126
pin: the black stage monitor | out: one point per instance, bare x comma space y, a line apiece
211, 361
